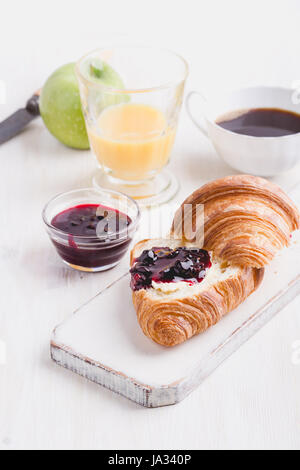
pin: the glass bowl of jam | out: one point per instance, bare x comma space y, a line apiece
91, 229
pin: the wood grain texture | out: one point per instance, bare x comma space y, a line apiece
252, 401
75, 347
103, 342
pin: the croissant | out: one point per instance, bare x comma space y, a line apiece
170, 318
247, 219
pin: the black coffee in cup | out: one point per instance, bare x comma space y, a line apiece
261, 122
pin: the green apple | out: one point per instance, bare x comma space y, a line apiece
60, 104
61, 110
99, 72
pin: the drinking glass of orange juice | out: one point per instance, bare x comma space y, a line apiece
131, 99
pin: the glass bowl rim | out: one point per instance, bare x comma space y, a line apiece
90, 238
133, 90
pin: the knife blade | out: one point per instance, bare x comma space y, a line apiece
15, 123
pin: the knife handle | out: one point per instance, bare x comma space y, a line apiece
32, 105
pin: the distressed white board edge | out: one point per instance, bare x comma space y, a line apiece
171, 394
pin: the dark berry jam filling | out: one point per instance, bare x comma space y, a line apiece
163, 264
91, 220
93, 235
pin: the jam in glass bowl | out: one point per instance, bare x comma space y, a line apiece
91, 229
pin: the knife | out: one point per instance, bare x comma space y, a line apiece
17, 121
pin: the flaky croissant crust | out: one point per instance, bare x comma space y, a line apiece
247, 219
171, 322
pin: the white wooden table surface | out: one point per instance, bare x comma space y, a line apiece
252, 401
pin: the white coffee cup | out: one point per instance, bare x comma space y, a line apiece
264, 156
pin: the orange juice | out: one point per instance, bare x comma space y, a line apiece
134, 141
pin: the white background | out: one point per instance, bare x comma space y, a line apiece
252, 401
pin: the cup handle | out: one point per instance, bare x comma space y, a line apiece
188, 108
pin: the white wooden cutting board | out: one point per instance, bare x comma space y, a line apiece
103, 342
